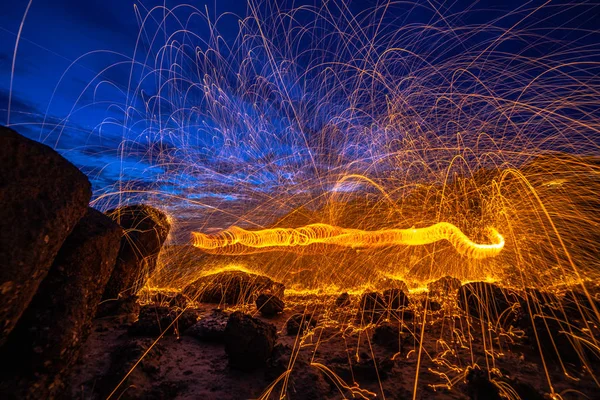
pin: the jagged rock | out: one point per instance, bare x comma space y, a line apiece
534, 301
395, 299
121, 362
248, 341
145, 231
42, 197
210, 328
372, 307
388, 335
486, 301
551, 335
155, 320
444, 286
343, 300
269, 305
480, 387
298, 323
46, 341
232, 287
304, 382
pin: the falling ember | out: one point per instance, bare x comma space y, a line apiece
236, 240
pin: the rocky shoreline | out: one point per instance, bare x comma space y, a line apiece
79, 322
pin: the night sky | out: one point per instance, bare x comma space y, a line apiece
73, 76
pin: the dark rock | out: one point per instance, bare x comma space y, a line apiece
210, 328
298, 323
388, 335
248, 341
118, 307
558, 340
269, 305
42, 197
487, 301
47, 339
444, 286
155, 320
232, 287
122, 361
343, 300
372, 307
534, 301
480, 387
576, 299
145, 231
395, 299
304, 381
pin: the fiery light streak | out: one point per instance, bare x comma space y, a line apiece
236, 240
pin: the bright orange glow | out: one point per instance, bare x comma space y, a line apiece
236, 240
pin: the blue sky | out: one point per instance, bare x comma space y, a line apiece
203, 137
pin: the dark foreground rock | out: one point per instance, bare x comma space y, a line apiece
248, 341
123, 307
145, 231
42, 197
487, 301
47, 339
388, 335
232, 287
305, 382
155, 320
343, 300
298, 323
210, 328
269, 305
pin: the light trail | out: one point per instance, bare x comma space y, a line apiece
236, 240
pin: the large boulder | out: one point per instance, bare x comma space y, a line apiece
488, 302
146, 229
232, 287
42, 197
249, 341
47, 339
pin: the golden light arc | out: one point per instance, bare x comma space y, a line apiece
236, 240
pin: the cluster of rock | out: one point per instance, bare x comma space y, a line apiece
60, 259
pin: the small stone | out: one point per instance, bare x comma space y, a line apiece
298, 323
269, 305
343, 300
210, 328
249, 341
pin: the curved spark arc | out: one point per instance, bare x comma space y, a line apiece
236, 240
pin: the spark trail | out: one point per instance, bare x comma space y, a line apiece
236, 240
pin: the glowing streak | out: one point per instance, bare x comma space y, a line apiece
236, 240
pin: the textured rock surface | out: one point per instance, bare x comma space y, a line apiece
155, 320
145, 231
248, 341
42, 197
46, 341
269, 305
210, 328
232, 287
486, 301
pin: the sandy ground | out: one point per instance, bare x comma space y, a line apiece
338, 358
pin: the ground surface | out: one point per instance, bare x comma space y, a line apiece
335, 359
